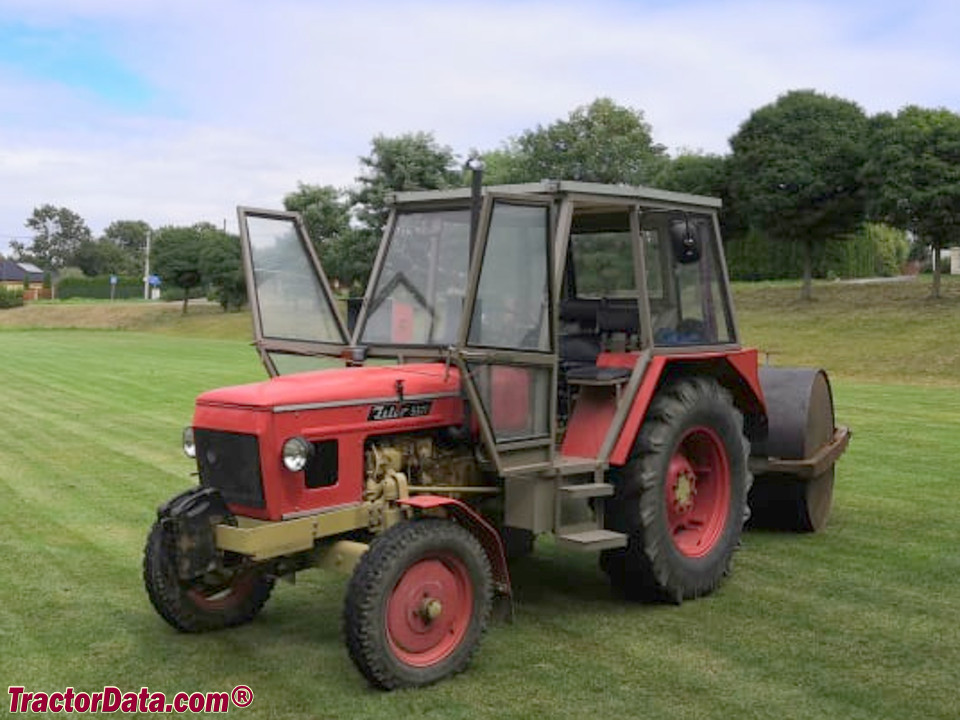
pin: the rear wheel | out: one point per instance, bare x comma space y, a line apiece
217, 600
417, 604
682, 497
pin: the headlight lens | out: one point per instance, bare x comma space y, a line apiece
296, 454
189, 443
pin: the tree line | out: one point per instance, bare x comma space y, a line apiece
806, 169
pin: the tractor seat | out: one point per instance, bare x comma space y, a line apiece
593, 375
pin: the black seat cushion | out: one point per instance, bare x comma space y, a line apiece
598, 374
579, 348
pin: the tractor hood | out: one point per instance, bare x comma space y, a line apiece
340, 386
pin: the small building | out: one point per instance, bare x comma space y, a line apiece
22, 276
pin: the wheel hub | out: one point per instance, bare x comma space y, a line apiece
431, 610
697, 492
683, 485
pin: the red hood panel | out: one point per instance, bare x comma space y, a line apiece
339, 385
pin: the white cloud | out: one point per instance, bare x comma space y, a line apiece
251, 97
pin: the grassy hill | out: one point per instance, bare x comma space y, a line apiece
884, 331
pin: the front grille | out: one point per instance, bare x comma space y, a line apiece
230, 462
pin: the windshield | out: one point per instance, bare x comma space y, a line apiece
290, 295
418, 296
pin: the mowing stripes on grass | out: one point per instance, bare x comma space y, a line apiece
858, 622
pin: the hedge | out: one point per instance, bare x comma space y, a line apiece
875, 250
10, 298
99, 288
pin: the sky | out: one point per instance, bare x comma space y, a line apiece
177, 111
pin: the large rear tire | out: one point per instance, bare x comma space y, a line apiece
417, 604
216, 601
682, 497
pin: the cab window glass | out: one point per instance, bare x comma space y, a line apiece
419, 294
512, 304
688, 306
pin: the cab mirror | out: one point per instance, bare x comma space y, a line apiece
685, 240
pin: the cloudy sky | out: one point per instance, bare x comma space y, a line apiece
175, 111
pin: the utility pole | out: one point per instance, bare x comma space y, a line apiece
146, 268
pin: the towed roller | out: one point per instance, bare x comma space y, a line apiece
793, 466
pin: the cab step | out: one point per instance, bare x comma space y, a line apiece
592, 540
588, 490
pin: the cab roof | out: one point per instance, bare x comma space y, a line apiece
559, 188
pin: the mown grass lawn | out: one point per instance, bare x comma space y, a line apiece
860, 621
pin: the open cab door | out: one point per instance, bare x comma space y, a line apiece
507, 345
295, 318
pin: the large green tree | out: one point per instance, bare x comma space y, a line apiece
600, 142
795, 170
58, 233
702, 174
131, 237
413, 161
101, 257
221, 266
913, 176
326, 214
175, 257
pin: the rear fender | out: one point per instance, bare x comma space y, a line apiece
486, 535
736, 371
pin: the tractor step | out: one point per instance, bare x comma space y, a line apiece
588, 490
592, 540
571, 465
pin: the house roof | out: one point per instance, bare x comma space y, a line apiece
11, 271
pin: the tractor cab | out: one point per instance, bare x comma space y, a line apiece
553, 293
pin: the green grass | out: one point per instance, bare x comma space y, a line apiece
885, 332
857, 622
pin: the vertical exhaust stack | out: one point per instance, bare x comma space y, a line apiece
476, 166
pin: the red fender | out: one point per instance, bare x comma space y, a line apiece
485, 533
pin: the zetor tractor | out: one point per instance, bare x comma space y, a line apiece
557, 357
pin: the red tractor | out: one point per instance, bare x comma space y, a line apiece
557, 357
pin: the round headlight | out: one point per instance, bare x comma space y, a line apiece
296, 453
189, 443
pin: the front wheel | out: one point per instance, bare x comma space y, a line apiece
682, 497
217, 600
417, 604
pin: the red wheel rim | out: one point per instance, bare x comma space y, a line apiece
224, 597
698, 492
429, 610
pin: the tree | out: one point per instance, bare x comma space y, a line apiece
222, 267
413, 161
58, 234
131, 237
702, 174
913, 175
694, 173
795, 167
504, 165
326, 215
101, 257
600, 142
175, 257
